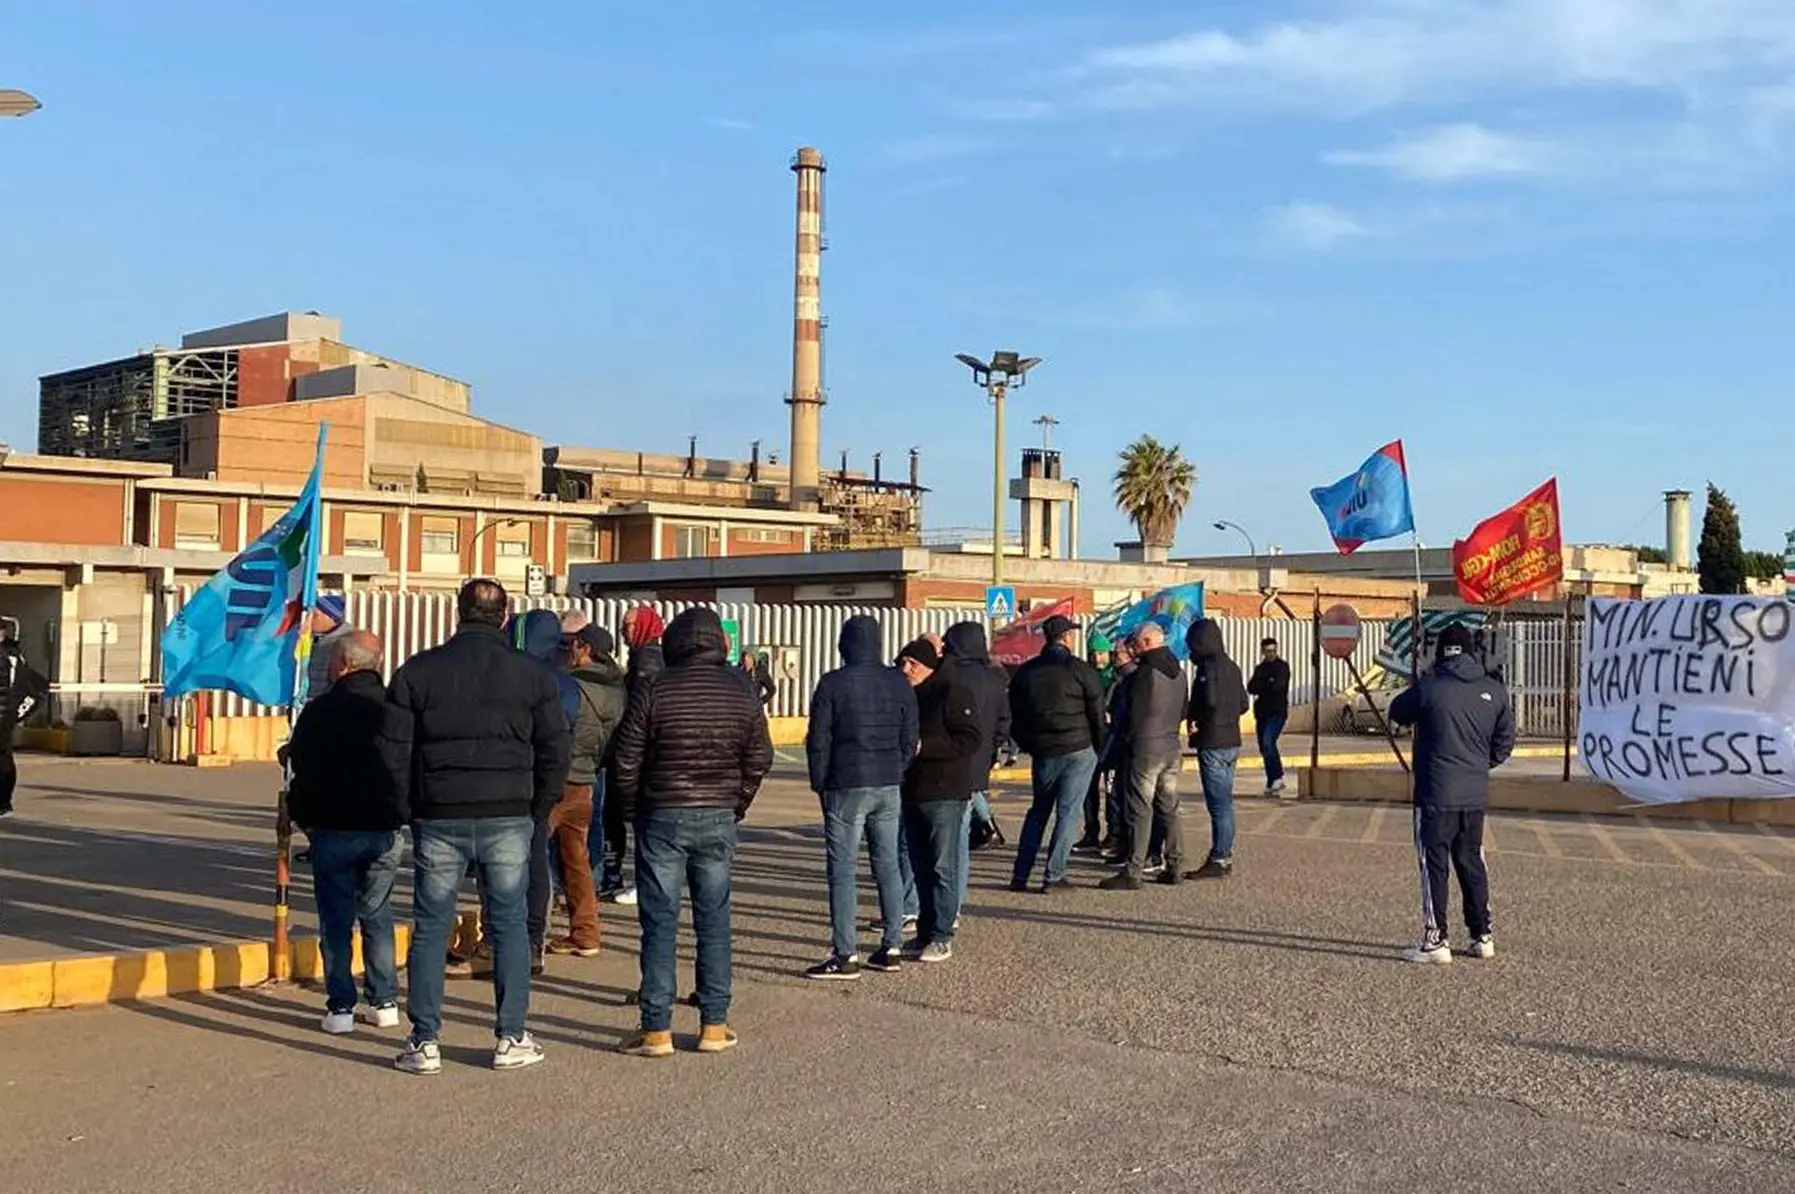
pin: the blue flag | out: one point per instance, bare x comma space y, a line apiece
1175, 609
1371, 504
248, 631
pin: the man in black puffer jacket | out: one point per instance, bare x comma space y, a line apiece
479, 743
862, 735
691, 753
1056, 710
1218, 700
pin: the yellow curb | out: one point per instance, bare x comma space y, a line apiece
87, 980
1533, 794
1298, 760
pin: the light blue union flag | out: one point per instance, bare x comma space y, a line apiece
248, 631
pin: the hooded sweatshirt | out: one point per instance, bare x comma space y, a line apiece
969, 661
538, 635
1218, 698
696, 736
1464, 725
863, 728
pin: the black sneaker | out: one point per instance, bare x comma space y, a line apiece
1215, 868
885, 961
1169, 877
834, 968
1110, 845
1056, 887
1121, 882
1089, 845
1116, 858
1018, 885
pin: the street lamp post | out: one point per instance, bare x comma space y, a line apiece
1005, 368
1252, 548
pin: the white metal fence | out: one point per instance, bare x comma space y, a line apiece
408, 623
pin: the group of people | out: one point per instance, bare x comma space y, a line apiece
522, 750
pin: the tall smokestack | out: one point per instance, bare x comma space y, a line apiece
807, 334
1676, 529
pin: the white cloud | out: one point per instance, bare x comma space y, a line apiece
1453, 152
1313, 227
1388, 52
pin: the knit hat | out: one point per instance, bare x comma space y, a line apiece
1097, 641
923, 652
642, 626
332, 606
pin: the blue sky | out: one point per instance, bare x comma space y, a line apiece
1530, 237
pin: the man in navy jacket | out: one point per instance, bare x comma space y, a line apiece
863, 734
1464, 726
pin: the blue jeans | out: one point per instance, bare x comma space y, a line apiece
980, 807
695, 848
845, 814
906, 872
1267, 732
498, 848
1060, 786
937, 836
1217, 770
352, 880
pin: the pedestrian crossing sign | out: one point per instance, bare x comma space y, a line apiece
1000, 603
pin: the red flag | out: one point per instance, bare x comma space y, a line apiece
1021, 640
1517, 552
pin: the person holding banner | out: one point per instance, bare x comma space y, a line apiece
1464, 726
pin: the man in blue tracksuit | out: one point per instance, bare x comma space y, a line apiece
1464, 726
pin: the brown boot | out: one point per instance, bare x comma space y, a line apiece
568, 947
651, 1044
716, 1038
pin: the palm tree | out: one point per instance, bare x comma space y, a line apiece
1153, 486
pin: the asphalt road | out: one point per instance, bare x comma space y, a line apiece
1251, 1035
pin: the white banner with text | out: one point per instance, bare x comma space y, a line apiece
1690, 698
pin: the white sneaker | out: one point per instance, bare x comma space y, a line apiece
627, 897
1481, 947
1432, 951
935, 951
384, 1016
420, 1057
514, 1053
339, 1023
1275, 787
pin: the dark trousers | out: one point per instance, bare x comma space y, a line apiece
540, 890
9, 770
615, 827
1093, 810
1452, 840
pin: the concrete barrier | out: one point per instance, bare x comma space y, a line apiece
1542, 794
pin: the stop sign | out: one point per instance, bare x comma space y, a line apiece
1340, 631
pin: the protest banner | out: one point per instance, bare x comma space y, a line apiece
1690, 698
1020, 641
1514, 553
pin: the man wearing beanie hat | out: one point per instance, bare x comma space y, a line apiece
330, 626
1464, 726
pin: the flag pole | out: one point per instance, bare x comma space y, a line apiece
1415, 642
281, 968
281, 964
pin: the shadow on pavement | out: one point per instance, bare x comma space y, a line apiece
1773, 1079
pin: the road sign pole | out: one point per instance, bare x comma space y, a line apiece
1315, 693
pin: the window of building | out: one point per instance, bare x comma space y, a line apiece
766, 535
694, 542
196, 525
364, 532
513, 540
439, 536
582, 540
